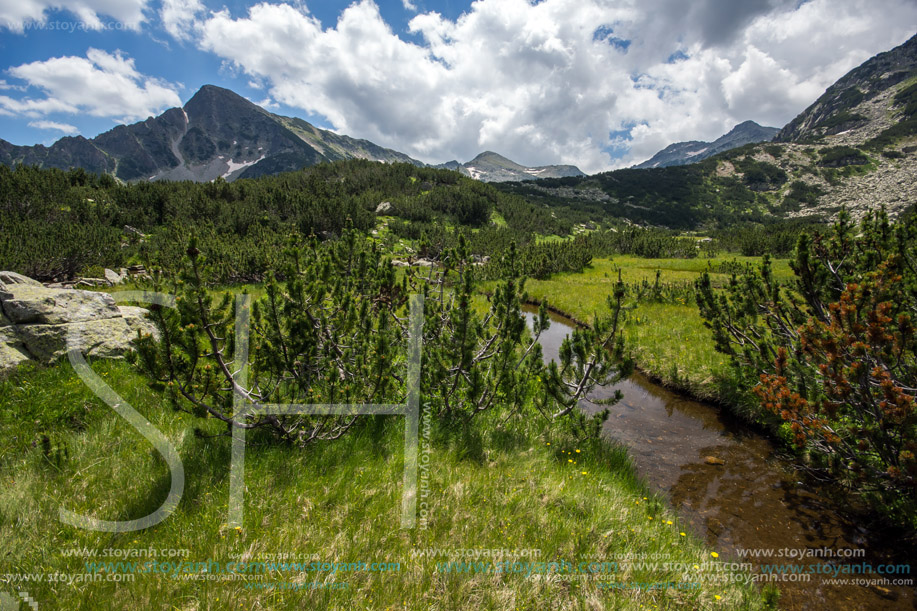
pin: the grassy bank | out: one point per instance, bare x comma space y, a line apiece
337, 502
668, 340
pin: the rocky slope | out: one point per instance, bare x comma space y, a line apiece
492, 167
217, 134
692, 151
868, 119
858, 104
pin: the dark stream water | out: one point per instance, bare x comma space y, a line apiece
748, 498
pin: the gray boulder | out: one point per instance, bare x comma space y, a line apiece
41, 323
26, 304
12, 352
7, 278
109, 337
113, 277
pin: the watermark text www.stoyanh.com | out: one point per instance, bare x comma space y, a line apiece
66, 26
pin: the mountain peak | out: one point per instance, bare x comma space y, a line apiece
218, 98
220, 134
494, 167
496, 159
682, 153
217, 134
215, 91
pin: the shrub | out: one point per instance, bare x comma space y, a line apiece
835, 356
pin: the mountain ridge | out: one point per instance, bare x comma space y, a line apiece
854, 148
220, 134
216, 134
857, 99
489, 166
692, 151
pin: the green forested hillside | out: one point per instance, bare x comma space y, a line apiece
58, 224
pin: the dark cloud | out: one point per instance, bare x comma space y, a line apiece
710, 23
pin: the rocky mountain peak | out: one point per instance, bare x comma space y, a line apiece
681, 153
489, 166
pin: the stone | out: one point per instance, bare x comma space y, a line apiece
91, 282
109, 337
135, 231
383, 207
37, 322
715, 527
9, 278
12, 352
113, 277
26, 304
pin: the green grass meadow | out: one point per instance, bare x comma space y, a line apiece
488, 487
667, 340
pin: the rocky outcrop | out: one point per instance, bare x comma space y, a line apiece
113, 277
40, 323
37, 305
8, 278
12, 352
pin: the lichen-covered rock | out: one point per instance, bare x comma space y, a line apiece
42, 323
108, 337
113, 277
26, 304
9, 278
12, 352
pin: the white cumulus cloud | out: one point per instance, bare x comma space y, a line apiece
101, 84
64, 127
179, 16
555, 81
18, 15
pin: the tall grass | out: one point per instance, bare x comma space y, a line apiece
668, 340
489, 487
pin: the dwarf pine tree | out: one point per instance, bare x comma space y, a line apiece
834, 355
335, 330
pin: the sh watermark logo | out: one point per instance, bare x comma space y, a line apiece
241, 408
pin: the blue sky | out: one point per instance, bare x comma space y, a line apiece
596, 83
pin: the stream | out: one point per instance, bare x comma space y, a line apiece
726, 481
